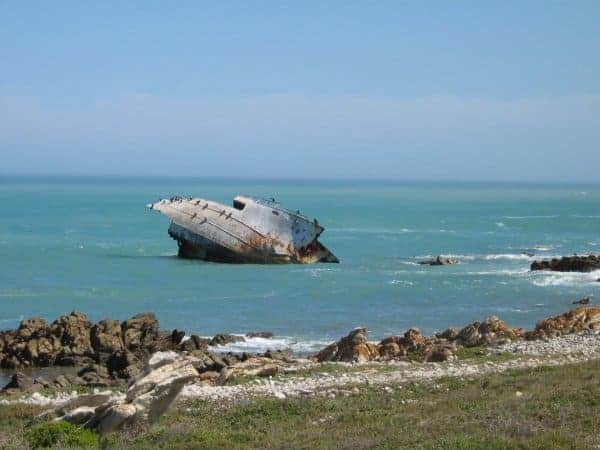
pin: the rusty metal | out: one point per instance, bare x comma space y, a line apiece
252, 231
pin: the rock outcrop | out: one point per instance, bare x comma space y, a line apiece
106, 352
439, 261
353, 347
414, 346
576, 320
573, 263
148, 396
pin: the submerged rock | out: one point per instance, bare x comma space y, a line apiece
222, 339
439, 261
573, 263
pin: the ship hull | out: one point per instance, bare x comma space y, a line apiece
254, 233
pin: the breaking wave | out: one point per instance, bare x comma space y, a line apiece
544, 278
261, 345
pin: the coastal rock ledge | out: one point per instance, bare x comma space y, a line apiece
573, 263
443, 346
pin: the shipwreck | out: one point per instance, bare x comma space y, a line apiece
251, 231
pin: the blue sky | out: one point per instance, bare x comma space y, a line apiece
403, 90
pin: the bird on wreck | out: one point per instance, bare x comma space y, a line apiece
251, 231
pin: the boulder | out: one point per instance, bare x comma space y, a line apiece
18, 381
194, 343
222, 339
140, 333
149, 395
123, 364
469, 336
573, 263
440, 352
105, 336
578, 319
73, 330
351, 348
449, 334
35, 327
260, 334
391, 350
412, 340
582, 301
438, 261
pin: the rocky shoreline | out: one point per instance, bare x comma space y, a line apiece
109, 353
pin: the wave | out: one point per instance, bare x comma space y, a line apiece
544, 279
261, 345
400, 282
485, 257
552, 216
500, 272
389, 231
508, 256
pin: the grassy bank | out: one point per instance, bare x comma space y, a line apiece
540, 408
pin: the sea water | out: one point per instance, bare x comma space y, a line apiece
90, 244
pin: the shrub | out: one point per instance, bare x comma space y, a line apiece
50, 434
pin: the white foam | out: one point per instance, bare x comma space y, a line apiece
401, 282
42, 400
260, 345
530, 217
509, 256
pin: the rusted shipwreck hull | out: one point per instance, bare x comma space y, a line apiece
252, 231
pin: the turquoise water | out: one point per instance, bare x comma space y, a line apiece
90, 244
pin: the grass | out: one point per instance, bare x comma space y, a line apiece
558, 407
483, 354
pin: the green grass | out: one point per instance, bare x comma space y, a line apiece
60, 434
483, 354
559, 407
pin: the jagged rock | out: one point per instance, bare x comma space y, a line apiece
96, 375
391, 350
35, 327
105, 336
353, 347
412, 339
448, 334
439, 353
149, 395
279, 355
573, 263
469, 336
19, 381
260, 334
438, 261
576, 320
140, 333
194, 343
582, 301
123, 364
73, 330
222, 339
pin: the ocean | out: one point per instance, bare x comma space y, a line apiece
90, 244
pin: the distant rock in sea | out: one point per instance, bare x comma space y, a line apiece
439, 261
573, 263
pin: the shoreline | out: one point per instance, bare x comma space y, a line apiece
108, 353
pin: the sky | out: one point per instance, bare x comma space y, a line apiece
435, 90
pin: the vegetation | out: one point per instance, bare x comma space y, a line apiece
547, 407
63, 434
